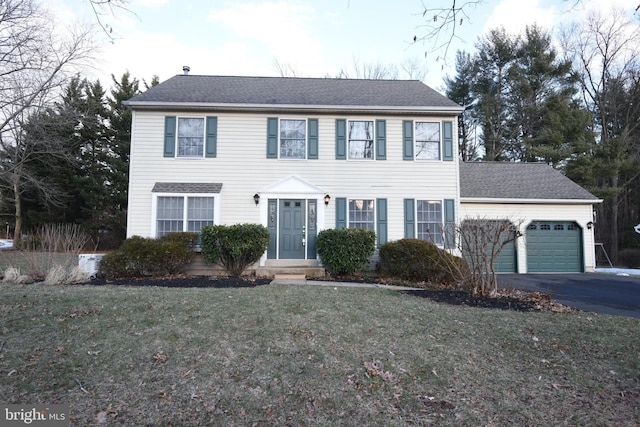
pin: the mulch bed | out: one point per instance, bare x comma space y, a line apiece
507, 300
187, 282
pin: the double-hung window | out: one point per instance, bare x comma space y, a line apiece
429, 221
190, 136
362, 214
183, 213
361, 140
427, 140
293, 139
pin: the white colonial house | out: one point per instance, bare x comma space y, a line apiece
300, 155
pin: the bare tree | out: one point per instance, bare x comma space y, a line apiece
285, 69
36, 58
481, 241
605, 52
444, 17
369, 71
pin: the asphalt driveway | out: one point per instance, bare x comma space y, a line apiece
600, 293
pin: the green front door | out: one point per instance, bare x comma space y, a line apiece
292, 229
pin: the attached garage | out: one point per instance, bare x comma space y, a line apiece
554, 246
553, 214
507, 261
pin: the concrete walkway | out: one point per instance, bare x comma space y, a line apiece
336, 284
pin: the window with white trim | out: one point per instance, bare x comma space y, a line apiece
190, 136
362, 214
427, 140
183, 213
360, 140
293, 139
429, 221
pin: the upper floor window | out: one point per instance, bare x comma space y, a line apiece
190, 137
360, 140
362, 214
427, 140
293, 139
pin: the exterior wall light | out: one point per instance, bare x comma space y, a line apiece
327, 198
590, 225
256, 198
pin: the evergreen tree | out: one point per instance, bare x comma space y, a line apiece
525, 98
459, 90
120, 124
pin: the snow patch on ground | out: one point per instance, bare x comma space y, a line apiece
619, 271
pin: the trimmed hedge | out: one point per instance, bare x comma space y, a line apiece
420, 260
235, 247
345, 251
141, 256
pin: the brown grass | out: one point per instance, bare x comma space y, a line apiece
310, 355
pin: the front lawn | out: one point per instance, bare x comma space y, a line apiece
310, 355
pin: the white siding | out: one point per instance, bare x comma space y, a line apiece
524, 214
243, 169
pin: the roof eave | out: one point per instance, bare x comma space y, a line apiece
495, 200
204, 106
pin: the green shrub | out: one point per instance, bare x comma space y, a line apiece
140, 256
116, 265
177, 251
346, 250
235, 247
420, 260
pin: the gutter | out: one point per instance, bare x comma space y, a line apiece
206, 106
530, 201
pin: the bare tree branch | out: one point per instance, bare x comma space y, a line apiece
103, 8
442, 23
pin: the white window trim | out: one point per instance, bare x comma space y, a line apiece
154, 208
415, 213
375, 211
306, 138
373, 158
415, 152
204, 137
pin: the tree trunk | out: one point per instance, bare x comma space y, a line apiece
17, 234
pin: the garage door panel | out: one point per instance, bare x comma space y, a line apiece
554, 247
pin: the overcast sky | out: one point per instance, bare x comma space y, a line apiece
315, 38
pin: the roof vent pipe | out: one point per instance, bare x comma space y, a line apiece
186, 70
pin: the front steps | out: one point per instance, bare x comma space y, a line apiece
292, 269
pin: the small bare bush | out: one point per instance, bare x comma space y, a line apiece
481, 241
13, 275
60, 275
53, 245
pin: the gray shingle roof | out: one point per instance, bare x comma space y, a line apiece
280, 91
186, 187
505, 180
